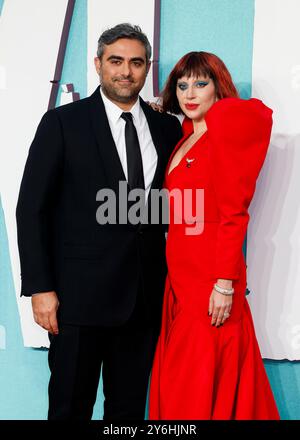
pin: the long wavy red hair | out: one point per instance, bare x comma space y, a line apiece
198, 64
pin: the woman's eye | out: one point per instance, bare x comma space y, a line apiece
182, 86
201, 84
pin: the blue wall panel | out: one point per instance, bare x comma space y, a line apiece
224, 27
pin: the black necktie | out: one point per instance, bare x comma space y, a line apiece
133, 152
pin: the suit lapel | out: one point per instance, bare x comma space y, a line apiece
157, 138
106, 145
108, 150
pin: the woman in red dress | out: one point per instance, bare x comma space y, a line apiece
207, 363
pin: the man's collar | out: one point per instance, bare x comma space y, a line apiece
114, 111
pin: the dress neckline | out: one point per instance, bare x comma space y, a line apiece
184, 156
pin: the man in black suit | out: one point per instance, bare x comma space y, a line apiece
97, 287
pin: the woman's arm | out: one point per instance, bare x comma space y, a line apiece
239, 132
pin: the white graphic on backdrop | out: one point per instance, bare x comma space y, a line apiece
273, 235
2, 337
68, 94
30, 33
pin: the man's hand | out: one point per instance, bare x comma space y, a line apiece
44, 307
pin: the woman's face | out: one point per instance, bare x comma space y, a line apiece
195, 96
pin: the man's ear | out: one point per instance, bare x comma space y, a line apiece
97, 63
148, 67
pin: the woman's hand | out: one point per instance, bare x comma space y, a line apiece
156, 107
219, 306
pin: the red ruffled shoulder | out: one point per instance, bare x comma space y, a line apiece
249, 120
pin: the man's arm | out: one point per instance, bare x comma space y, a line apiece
38, 193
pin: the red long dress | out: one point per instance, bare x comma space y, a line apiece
201, 371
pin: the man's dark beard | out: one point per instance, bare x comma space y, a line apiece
111, 93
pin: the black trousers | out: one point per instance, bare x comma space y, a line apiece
125, 354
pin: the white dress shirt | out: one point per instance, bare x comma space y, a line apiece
117, 127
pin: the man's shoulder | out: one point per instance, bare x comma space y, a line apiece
69, 113
72, 107
164, 118
169, 121
169, 117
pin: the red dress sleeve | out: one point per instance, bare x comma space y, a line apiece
239, 132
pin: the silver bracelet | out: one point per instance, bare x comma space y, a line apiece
223, 291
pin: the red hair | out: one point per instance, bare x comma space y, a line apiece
198, 64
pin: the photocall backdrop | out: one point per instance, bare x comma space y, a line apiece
56, 40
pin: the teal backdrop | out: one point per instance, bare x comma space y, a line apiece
224, 27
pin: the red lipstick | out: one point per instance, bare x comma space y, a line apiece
191, 106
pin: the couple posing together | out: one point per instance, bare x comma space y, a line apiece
119, 297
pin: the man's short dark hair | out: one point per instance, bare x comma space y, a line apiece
123, 30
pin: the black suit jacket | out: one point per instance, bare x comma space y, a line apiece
94, 269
